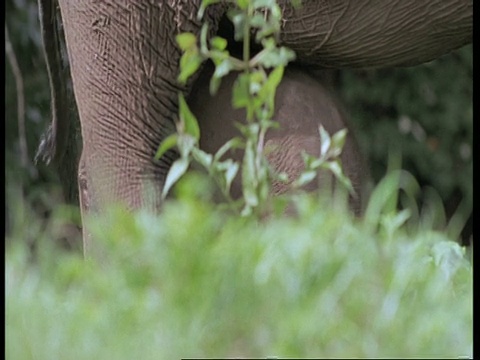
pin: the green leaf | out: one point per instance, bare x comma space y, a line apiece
304, 178
269, 89
267, 25
230, 173
335, 168
168, 143
204, 5
264, 4
221, 70
178, 168
324, 140
186, 40
203, 39
219, 43
257, 79
243, 4
203, 158
273, 57
338, 141
391, 223
381, 198
449, 256
189, 64
311, 162
258, 20
275, 78
241, 95
187, 117
235, 143
215, 83
186, 143
238, 18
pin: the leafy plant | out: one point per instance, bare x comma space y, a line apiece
426, 118
254, 90
201, 282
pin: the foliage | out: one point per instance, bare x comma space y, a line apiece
424, 113
254, 90
198, 282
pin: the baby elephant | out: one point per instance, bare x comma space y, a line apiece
301, 105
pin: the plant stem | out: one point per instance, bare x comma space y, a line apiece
246, 58
246, 40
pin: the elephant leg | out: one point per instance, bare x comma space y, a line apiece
302, 103
124, 64
124, 67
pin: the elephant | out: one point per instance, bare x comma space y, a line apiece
303, 101
124, 64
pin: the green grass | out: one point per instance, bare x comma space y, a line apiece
198, 282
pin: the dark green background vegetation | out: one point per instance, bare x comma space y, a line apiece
424, 113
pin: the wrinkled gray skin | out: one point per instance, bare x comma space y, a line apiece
124, 64
302, 103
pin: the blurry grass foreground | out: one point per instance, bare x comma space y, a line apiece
197, 282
